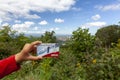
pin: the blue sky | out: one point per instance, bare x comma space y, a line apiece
62, 16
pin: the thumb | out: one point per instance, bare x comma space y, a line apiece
34, 57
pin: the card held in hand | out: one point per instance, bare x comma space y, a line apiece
48, 50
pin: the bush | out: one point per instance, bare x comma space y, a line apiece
105, 66
65, 68
109, 34
82, 43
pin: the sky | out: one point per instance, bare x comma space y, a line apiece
61, 16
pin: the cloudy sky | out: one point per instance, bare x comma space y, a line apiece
62, 16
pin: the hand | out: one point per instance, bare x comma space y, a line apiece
25, 52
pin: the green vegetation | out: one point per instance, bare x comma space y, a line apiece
109, 34
82, 57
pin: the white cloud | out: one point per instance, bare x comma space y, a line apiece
44, 22
94, 24
83, 27
34, 16
96, 17
4, 15
58, 20
108, 7
0, 22
5, 24
23, 27
76, 9
54, 29
57, 28
36, 28
10, 9
17, 21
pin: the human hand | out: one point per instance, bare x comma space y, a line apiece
24, 54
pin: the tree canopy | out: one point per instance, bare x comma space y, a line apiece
48, 37
109, 34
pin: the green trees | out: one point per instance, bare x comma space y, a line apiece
109, 34
6, 34
48, 37
80, 59
7, 45
82, 42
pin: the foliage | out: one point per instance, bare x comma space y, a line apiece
103, 66
82, 58
7, 40
65, 68
48, 37
109, 34
118, 44
21, 39
6, 34
82, 42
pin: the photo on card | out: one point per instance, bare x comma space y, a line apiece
48, 50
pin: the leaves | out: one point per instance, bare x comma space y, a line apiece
48, 37
109, 34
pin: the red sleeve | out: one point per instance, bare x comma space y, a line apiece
8, 66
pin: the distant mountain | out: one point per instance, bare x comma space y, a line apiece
60, 37
35, 35
57, 35
63, 37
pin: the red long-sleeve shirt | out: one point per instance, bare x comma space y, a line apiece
8, 65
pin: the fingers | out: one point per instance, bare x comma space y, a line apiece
35, 57
31, 47
36, 43
26, 48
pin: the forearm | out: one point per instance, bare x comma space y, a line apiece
8, 66
18, 58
